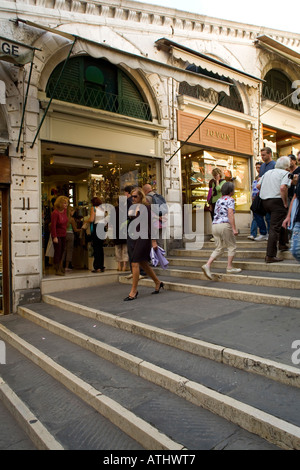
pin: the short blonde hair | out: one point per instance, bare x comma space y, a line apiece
59, 202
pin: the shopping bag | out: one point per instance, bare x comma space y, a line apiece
50, 248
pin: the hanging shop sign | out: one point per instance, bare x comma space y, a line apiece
215, 134
15, 52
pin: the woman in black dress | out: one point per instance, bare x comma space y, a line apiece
139, 230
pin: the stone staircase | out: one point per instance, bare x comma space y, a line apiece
259, 282
88, 371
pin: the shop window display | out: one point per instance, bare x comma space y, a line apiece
197, 172
106, 179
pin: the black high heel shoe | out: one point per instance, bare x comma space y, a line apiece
130, 298
161, 286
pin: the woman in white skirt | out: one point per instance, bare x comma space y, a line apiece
224, 230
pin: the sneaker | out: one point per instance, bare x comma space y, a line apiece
212, 239
251, 237
233, 270
206, 271
128, 277
261, 238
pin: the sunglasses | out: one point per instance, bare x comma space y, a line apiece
134, 196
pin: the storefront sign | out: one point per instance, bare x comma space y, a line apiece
214, 134
217, 134
15, 52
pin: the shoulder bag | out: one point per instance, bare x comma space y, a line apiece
257, 206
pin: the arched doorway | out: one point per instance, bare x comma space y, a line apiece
98, 138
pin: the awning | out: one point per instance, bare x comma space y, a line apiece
190, 56
276, 46
15, 52
119, 57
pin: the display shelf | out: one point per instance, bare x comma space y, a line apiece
197, 173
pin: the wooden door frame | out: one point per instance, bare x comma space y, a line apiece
6, 275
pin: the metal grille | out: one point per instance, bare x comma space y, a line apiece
211, 96
94, 97
270, 93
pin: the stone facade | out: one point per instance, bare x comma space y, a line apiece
134, 28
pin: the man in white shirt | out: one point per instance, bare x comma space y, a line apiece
273, 187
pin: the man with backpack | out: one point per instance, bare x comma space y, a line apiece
152, 197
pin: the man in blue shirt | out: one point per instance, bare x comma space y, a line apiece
269, 163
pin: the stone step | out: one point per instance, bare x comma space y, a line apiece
197, 427
77, 280
250, 293
191, 391
240, 254
284, 266
216, 352
12, 434
184, 386
251, 327
32, 426
240, 242
272, 280
141, 434
243, 414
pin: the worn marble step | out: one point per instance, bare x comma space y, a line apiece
238, 412
245, 277
198, 427
286, 266
241, 254
108, 424
246, 293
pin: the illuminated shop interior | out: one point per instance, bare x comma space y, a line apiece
197, 165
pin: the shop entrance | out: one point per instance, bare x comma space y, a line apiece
81, 173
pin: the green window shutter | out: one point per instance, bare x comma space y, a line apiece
97, 84
127, 88
130, 99
69, 87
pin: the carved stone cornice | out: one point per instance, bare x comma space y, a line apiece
133, 13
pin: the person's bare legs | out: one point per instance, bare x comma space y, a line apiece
149, 271
135, 269
229, 262
210, 262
